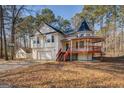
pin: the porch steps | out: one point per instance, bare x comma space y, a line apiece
62, 56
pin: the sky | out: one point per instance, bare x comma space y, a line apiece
66, 11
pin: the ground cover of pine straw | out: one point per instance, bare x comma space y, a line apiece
66, 75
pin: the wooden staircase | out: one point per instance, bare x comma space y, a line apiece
62, 56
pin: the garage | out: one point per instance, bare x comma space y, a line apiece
44, 55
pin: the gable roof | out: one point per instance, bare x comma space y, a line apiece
54, 30
84, 26
57, 30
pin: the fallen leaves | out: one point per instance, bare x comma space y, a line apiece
66, 75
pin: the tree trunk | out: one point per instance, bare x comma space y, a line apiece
107, 41
24, 38
13, 42
115, 41
122, 38
15, 14
1, 34
13, 33
103, 35
4, 34
29, 42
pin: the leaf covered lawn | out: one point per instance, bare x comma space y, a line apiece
66, 75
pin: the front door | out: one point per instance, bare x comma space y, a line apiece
67, 46
76, 45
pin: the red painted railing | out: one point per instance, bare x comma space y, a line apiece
66, 54
62, 56
59, 52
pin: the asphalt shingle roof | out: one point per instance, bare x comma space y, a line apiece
57, 30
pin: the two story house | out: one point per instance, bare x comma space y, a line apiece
50, 43
46, 42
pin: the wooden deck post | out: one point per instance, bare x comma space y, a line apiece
101, 55
78, 49
78, 44
92, 48
87, 48
71, 51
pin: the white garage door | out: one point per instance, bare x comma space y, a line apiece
44, 55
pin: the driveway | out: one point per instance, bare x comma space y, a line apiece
10, 66
4, 67
13, 65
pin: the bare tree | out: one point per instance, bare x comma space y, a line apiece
1, 35
15, 13
3, 30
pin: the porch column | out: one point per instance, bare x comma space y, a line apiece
78, 44
101, 52
87, 49
71, 50
92, 48
78, 50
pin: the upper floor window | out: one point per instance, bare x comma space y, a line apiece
76, 45
88, 34
48, 40
38, 40
53, 38
81, 35
34, 41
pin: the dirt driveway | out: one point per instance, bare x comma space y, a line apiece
4, 67
10, 66
13, 64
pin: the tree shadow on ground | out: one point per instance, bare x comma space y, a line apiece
113, 59
113, 65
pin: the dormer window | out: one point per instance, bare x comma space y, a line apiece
52, 38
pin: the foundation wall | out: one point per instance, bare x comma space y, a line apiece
84, 57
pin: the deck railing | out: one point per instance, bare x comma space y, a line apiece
86, 49
89, 48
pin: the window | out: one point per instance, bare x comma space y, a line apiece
52, 38
48, 40
34, 41
38, 40
88, 34
81, 44
81, 35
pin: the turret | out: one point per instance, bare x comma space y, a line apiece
84, 29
